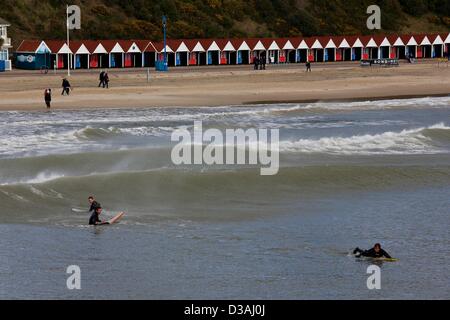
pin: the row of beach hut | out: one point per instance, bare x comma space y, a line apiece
35, 54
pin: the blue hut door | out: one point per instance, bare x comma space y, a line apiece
209, 57
77, 62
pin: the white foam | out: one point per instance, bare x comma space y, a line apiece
404, 142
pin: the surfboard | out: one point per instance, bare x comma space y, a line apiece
378, 259
384, 259
116, 219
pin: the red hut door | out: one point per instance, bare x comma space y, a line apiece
193, 59
60, 62
419, 52
339, 55
94, 61
128, 60
223, 58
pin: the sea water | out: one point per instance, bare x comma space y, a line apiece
352, 174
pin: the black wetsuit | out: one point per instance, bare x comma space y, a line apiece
94, 219
94, 206
371, 253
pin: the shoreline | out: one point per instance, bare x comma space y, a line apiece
216, 87
368, 98
249, 104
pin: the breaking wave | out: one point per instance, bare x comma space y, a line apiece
431, 140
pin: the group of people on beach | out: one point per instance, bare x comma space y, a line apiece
104, 80
67, 87
259, 63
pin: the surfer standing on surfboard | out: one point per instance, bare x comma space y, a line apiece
375, 252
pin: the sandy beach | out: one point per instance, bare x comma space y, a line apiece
218, 86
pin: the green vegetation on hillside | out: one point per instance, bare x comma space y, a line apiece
112, 19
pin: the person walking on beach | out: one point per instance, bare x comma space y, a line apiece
48, 97
66, 87
256, 62
263, 62
102, 79
106, 80
308, 66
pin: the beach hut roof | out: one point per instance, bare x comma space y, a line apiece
354, 41
295, 41
92, 46
78, 47
177, 45
396, 40
255, 44
368, 42
303, 45
286, 44
159, 47
225, 45
271, 44
344, 43
143, 44
447, 38
213, 46
381, 41
331, 44
409, 40
182, 47
199, 47
150, 48
436, 39
240, 45
259, 45
314, 43
34, 46
337, 40
422, 40
58, 46
111, 46
129, 46
209, 45
193, 45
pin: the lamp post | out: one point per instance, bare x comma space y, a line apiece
164, 21
68, 41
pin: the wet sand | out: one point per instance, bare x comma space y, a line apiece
219, 86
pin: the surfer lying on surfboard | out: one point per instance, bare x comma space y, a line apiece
376, 252
95, 217
96, 221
